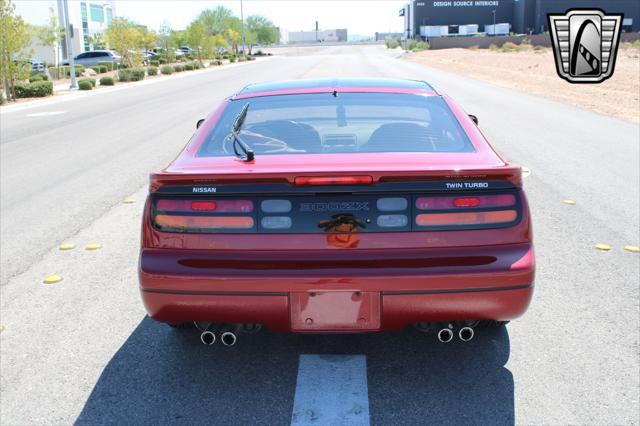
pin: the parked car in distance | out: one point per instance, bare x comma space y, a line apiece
337, 206
92, 57
186, 50
37, 64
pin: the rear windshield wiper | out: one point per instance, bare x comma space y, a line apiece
247, 153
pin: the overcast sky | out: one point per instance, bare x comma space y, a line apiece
362, 17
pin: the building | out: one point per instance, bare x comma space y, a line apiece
518, 16
387, 36
317, 36
89, 19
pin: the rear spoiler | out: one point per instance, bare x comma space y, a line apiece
508, 176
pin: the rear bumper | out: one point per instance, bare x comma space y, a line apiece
431, 288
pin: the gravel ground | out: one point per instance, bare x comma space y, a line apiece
533, 71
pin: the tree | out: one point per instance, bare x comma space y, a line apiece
51, 34
166, 42
216, 21
264, 30
148, 39
196, 38
219, 42
123, 36
14, 42
97, 41
234, 38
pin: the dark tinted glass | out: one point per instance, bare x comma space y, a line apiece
348, 122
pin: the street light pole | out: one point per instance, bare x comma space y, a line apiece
67, 36
242, 20
494, 22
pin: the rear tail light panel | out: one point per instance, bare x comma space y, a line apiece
336, 212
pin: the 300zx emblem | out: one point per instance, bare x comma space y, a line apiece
342, 206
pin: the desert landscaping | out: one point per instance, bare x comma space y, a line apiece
532, 70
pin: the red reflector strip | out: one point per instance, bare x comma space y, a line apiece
204, 222
333, 180
223, 206
467, 218
208, 206
481, 201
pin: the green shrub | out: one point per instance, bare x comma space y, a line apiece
107, 81
131, 74
251, 58
219, 57
541, 49
154, 62
34, 78
92, 81
100, 69
410, 44
65, 70
107, 64
36, 89
167, 69
493, 47
392, 44
152, 70
85, 85
189, 66
509, 47
162, 61
216, 62
421, 45
178, 68
242, 58
197, 65
232, 58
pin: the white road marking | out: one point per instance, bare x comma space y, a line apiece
331, 390
45, 114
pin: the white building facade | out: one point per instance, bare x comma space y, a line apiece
87, 18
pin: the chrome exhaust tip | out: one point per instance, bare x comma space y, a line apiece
228, 338
445, 335
466, 333
207, 338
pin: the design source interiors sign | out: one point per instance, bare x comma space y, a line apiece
476, 3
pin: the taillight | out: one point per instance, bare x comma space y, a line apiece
221, 206
477, 201
333, 180
466, 211
197, 215
467, 218
187, 223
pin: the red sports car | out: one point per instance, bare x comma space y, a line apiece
349, 205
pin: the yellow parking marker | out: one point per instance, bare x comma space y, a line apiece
525, 171
605, 247
67, 246
129, 200
93, 246
52, 279
568, 201
634, 249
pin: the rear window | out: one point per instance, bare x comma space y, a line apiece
347, 122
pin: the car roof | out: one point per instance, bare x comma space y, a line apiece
309, 86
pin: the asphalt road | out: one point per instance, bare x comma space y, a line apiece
83, 351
